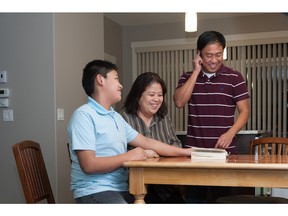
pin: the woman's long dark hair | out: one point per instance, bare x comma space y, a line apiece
131, 104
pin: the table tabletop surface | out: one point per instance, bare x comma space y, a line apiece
232, 162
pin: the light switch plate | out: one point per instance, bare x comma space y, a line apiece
60, 114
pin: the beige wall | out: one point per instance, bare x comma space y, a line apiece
44, 55
79, 38
26, 53
113, 46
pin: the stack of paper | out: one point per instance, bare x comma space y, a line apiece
208, 154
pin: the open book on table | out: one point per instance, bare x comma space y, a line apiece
208, 154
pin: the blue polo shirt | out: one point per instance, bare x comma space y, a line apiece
92, 127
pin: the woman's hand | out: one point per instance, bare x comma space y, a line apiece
151, 153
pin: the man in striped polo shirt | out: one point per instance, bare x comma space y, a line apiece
213, 92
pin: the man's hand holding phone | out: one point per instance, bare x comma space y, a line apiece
197, 63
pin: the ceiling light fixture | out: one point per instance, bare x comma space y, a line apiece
190, 21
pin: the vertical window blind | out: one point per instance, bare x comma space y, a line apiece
262, 62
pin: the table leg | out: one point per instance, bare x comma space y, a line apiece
139, 198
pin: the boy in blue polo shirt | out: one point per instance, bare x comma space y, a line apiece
98, 137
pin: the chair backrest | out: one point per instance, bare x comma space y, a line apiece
68, 148
32, 172
269, 145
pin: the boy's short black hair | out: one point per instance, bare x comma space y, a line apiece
91, 70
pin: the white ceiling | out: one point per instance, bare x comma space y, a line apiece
130, 19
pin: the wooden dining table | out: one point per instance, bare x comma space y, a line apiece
237, 170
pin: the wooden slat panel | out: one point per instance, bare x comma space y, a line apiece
249, 81
254, 88
269, 89
285, 91
259, 87
261, 65
279, 91
274, 77
264, 89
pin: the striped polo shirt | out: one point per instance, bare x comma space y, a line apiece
211, 108
161, 129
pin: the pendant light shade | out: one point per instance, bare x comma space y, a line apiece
190, 21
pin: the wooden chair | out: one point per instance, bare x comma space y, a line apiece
269, 146
261, 146
32, 172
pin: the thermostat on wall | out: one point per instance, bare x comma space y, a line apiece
4, 92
